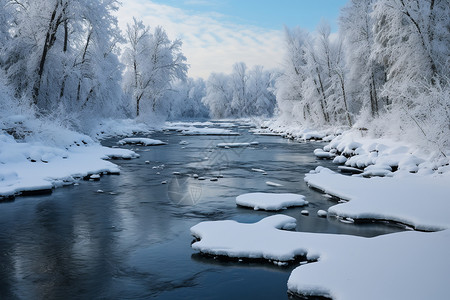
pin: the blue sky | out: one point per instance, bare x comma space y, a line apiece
218, 33
271, 14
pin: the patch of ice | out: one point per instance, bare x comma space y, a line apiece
208, 131
141, 141
232, 145
270, 201
274, 184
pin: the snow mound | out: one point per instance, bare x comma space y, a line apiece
385, 267
319, 153
141, 141
270, 201
259, 240
418, 201
406, 265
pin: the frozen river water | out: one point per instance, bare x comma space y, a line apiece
132, 240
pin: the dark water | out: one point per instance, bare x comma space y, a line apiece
133, 242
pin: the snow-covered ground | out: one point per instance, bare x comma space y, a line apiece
407, 265
395, 181
422, 202
295, 131
36, 166
121, 127
270, 201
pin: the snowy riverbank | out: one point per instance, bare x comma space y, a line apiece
37, 156
394, 181
35, 167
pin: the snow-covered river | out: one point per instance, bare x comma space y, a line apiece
127, 236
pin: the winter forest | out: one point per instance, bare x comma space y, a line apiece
386, 70
255, 182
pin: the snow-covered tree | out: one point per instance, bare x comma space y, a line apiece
186, 100
218, 95
260, 92
313, 87
152, 63
291, 103
242, 93
63, 54
365, 73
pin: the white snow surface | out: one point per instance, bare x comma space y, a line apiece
121, 127
141, 140
30, 166
270, 201
233, 145
406, 265
297, 131
419, 201
207, 131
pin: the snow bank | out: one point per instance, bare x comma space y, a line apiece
296, 131
270, 201
142, 141
33, 166
419, 201
120, 127
380, 156
407, 265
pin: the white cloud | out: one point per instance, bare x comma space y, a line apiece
211, 42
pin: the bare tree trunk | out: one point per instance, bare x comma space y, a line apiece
50, 38
83, 59
344, 95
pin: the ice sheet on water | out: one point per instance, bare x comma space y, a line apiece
384, 267
274, 184
208, 131
270, 201
232, 145
141, 141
